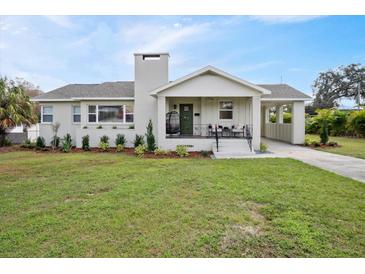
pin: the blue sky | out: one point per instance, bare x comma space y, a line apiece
51, 51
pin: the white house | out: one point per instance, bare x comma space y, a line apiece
197, 110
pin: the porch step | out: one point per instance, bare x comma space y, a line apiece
231, 149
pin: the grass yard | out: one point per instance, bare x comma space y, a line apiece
354, 147
113, 205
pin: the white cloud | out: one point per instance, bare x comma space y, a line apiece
2, 45
282, 19
61, 20
257, 66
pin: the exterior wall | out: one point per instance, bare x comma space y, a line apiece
149, 74
62, 113
209, 85
95, 134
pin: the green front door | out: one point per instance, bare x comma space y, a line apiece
186, 119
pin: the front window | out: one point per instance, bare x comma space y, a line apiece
47, 114
225, 110
92, 114
76, 113
110, 114
129, 115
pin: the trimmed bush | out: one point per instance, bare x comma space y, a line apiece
160, 151
67, 143
55, 143
40, 142
263, 147
104, 143
104, 139
140, 150
120, 148
86, 142
139, 140
120, 140
356, 123
151, 142
204, 153
182, 151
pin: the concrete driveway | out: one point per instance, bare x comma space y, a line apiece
343, 165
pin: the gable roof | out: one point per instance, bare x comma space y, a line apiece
283, 91
214, 70
107, 90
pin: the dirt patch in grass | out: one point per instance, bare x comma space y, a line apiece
240, 233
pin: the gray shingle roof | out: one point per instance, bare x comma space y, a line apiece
104, 90
126, 89
281, 91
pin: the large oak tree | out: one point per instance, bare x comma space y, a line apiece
343, 82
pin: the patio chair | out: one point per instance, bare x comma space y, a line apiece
238, 131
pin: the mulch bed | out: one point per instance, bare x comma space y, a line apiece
127, 151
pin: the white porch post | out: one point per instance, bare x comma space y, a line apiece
279, 114
297, 123
256, 121
161, 121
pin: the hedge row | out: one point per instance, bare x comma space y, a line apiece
340, 123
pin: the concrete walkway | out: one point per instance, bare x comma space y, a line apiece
343, 165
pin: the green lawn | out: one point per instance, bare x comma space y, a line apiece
354, 147
113, 205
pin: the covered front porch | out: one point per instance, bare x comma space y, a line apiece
208, 117
198, 121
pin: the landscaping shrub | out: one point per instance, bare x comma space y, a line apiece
40, 142
86, 142
151, 143
99, 127
120, 148
103, 146
139, 140
131, 127
55, 143
308, 141
160, 151
332, 144
114, 127
356, 123
120, 140
182, 151
263, 147
7, 142
28, 144
204, 153
67, 143
104, 139
338, 123
140, 150
324, 133
104, 142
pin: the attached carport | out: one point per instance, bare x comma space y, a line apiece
283, 97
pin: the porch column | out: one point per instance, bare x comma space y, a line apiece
161, 121
279, 114
297, 123
256, 121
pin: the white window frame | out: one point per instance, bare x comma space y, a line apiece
42, 107
109, 123
223, 109
74, 113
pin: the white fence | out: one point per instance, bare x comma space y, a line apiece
280, 132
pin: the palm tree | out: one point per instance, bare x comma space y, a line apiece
15, 107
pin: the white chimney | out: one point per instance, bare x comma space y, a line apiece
151, 70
